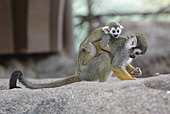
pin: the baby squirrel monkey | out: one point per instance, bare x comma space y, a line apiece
100, 67
103, 34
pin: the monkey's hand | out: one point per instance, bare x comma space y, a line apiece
136, 72
133, 71
85, 63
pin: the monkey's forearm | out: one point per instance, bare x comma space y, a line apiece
122, 74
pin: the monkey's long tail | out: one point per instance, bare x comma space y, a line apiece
18, 75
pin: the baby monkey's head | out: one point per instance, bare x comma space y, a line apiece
113, 28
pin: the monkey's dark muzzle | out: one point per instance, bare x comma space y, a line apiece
116, 35
132, 56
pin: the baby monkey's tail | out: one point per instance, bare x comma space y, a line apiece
18, 75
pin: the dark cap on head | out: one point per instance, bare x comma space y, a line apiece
141, 42
114, 24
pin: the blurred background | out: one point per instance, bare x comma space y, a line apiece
42, 37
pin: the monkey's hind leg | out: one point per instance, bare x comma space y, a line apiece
91, 53
122, 74
133, 71
104, 68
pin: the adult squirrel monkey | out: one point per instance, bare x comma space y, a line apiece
98, 68
103, 34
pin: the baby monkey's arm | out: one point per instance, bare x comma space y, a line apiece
105, 43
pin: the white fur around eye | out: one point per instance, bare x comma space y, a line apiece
120, 30
112, 30
137, 50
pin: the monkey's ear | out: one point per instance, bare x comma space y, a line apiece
132, 42
121, 27
106, 29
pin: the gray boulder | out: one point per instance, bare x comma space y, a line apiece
142, 96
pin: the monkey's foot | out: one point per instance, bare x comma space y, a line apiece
136, 72
134, 78
85, 63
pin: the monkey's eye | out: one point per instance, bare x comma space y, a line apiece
113, 31
137, 53
117, 31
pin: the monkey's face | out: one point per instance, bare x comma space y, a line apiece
113, 28
131, 44
115, 32
135, 52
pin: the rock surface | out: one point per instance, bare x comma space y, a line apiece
142, 96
